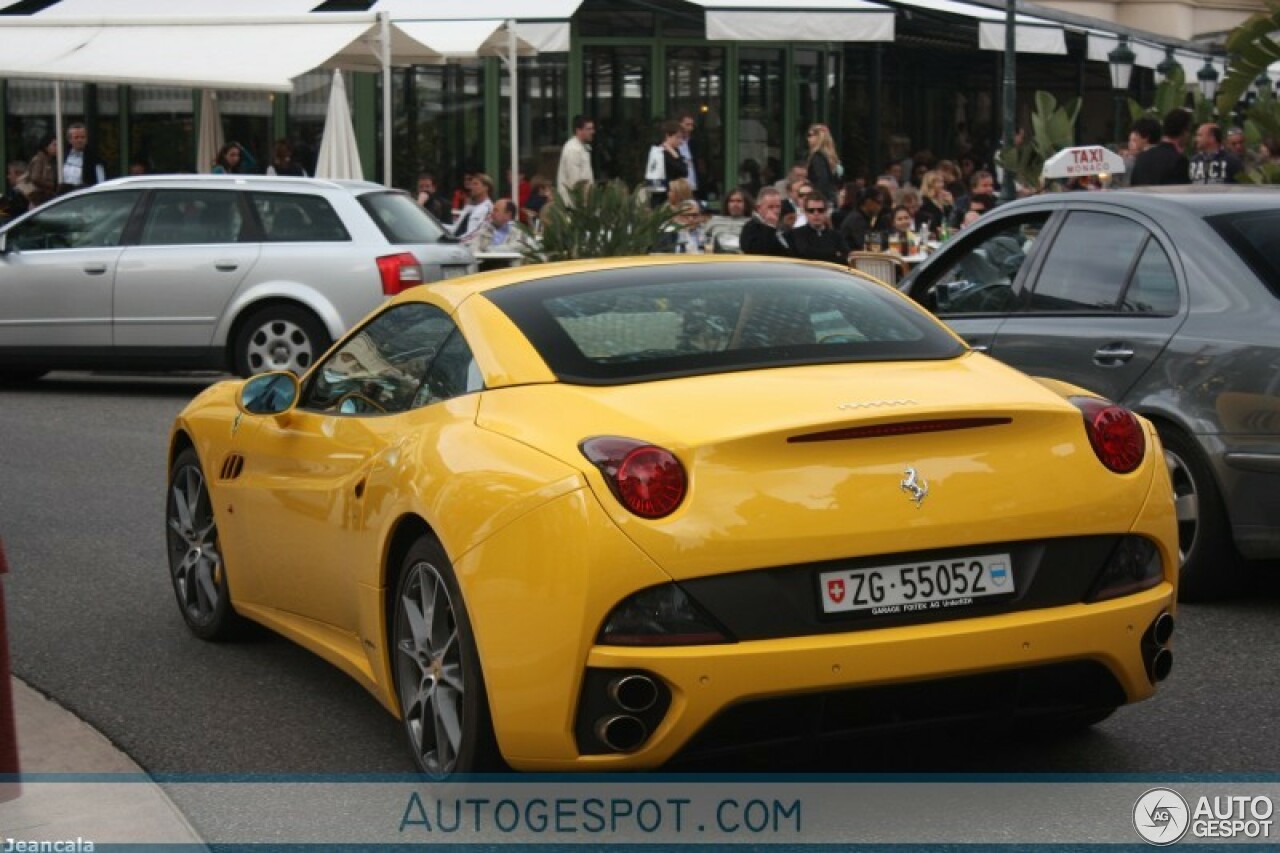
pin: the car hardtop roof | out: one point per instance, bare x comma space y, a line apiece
257, 181
1186, 199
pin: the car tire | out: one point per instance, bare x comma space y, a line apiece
279, 337
436, 666
196, 567
1210, 566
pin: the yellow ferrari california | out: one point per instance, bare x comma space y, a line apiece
595, 515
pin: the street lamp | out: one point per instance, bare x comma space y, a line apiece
1166, 66
1121, 59
1208, 77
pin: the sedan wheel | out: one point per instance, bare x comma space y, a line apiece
438, 679
195, 558
280, 337
1210, 566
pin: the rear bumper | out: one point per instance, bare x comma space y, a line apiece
704, 681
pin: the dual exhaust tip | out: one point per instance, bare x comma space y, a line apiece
1158, 657
632, 694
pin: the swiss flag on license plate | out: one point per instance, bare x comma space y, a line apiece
835, 590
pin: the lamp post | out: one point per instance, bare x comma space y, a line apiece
1166, 66
1009, 182
1208, 77
1121, 59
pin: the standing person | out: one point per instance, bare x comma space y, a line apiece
430, 200
1212, 164
665, 165
282, 162
231, 160
823, 168
687, 124
42, 171
816, 240
81, 167
14, 202
479, 207
760, 236
1235, 146
575, 157
1164, 163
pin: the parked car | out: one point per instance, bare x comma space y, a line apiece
207, 271
1164, 301
593, 514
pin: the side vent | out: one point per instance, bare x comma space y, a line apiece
232, 466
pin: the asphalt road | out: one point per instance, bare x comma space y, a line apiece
93, 623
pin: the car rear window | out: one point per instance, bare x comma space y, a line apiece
1252, 235
400, 219
645, 323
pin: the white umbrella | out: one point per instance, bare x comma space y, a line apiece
339, 156
210, 140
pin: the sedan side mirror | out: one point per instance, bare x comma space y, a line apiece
268, 394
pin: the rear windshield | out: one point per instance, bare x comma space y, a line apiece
654, 322
1253, 236
400, 220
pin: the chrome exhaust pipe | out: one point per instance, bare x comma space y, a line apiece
621, 732
1162, 629
1161, 664
634, 693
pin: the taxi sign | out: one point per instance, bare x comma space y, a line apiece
1085, 160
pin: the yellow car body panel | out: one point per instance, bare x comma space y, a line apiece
543, 551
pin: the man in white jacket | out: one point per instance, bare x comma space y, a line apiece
575, 157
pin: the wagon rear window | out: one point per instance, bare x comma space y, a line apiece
644, 323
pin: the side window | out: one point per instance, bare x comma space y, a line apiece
298, 218
1088, 264
408, 356
980, 279
82, 221
192, 217
1154, 286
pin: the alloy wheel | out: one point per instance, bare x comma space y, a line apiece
1186, 502
280, 344
194, 556
429, 661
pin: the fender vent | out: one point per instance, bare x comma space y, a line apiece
232, 466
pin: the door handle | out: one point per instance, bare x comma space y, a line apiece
1112, 355
95, 269
225, 266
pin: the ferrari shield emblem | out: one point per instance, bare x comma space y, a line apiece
835, 590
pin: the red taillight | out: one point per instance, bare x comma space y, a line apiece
1114, 432
399, 272
648, 480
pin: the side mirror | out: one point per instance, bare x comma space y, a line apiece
268, 394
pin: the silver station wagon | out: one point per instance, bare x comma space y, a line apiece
240, 273
1165, 300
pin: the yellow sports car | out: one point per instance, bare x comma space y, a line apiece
592, 515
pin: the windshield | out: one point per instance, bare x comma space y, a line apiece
400, 219
654, 322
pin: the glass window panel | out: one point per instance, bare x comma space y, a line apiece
618, 94
1088, 263
760, 109
78, 222
695, 84
161, 128
181, 217
1154, 287
543, 114
438, 124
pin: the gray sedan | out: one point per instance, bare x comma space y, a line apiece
1164, 300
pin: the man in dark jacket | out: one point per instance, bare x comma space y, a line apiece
816, 240
1213, 164
854, 228
1164, 163
760, 236
81, 167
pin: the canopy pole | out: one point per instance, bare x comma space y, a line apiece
57, 125
515, 126
384, 21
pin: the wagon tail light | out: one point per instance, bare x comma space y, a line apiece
399, 272
1114, 432
648, 480
660, 616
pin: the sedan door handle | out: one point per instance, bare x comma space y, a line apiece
225, 266
1112, 355
95, 269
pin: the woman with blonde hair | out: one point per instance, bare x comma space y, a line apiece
824, 164
935, 201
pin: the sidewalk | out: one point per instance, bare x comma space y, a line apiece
51, 739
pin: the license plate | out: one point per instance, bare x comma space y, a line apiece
916, 587
453, 271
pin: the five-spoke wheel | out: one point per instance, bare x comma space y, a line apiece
195, 559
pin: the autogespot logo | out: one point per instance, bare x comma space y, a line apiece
1161, 816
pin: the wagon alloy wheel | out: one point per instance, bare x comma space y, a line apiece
438, 679
195, 558
279, 337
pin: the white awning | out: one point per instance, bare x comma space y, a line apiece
462, 39
1032, 34
264, 54
822, 20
